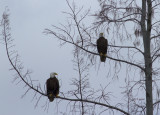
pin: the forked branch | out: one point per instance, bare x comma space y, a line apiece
7, 39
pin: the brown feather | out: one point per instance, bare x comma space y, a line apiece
102, 46
52, 85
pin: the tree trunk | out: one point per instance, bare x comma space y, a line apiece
147, 54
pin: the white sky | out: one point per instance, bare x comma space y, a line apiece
42, 54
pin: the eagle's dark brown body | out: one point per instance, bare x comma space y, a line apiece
102, 45
52, 85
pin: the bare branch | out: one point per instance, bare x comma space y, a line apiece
48, 31
7, 41
93, 102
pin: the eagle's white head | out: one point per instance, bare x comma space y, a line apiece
53, 74
101, 35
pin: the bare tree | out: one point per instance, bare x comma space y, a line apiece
145, 21
82, 97
126, 22
132, 31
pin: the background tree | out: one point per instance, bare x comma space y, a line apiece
83, 99
119, 19
145, 19
127, 53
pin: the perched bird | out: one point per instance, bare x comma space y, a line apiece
102, 45
52, 85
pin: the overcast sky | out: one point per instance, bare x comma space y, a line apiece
38, 52
42, 54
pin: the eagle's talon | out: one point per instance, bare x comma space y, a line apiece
100, 54
50, 95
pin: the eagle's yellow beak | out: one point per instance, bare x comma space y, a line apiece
50, 95
55, 74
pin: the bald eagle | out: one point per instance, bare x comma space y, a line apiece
52, 85
102, 45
